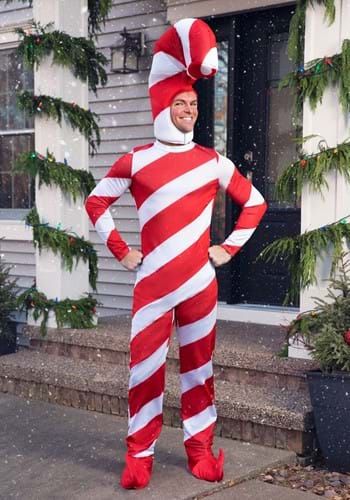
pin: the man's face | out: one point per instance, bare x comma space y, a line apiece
184, 111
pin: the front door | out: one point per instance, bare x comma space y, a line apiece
244, 116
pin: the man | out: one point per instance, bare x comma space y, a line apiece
174, 182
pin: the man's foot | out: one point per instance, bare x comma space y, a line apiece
137, 472
208, 467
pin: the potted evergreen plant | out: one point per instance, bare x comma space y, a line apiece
325, 331
8, 303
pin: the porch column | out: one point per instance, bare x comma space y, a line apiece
54, 206
331, 123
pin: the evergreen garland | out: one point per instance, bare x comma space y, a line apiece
77, 53
76, 313
297, 26
73, 181
54, 107
70, 246
301, 253
310, 82
312, 170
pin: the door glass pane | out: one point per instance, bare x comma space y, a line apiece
220, 137
281, 149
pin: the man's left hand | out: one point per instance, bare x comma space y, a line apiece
218, 255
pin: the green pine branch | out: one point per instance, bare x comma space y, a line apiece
301, 252
69, 246
55, 108
312, 170
50, 172
77, 53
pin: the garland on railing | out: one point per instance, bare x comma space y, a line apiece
77, 53
98, 12
297, 26
50, 172
75, 313
310, 81
54, 107
69, 245
312, 170
301, 253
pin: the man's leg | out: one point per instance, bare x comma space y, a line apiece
148, 350
196, 328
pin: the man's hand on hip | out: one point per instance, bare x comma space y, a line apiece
132, 260
218, 255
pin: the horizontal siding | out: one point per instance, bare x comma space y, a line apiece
20, 256
14, 13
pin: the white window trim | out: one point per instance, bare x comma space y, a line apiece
15, 230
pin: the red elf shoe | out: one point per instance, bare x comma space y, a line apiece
207, 466
137, 472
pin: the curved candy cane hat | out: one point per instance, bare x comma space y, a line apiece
184, 53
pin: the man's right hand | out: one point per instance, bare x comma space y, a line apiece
132, 260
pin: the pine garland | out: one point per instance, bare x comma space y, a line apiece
297, 26
76, 313
311, 81
73, 181
77, 53
312, 170
70, 246
54, 107
301, 253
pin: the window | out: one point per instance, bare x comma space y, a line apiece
16, 134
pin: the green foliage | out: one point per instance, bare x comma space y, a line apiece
322, 330
75, 313
54, 107
311, 81
7, 297
69, 246
77, 53
73, 181
301, 253
312, 170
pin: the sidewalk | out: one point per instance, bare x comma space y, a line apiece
53, 452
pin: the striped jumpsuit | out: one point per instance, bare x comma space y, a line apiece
174, 188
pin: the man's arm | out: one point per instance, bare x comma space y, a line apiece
107, 191
244, 194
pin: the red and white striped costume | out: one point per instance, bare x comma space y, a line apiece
174, 188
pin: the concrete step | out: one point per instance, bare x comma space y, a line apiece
245, 353
262, 415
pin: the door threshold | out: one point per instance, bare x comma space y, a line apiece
253, 313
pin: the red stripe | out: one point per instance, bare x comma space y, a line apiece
239, 188
142, 439
197, 399
168, 278
205, 437
158, 173
170, 43
97, 205
195, 308
146, 391
121, 168
250, 216
165, 223
197, 353
148, 340
117, 245
200, 31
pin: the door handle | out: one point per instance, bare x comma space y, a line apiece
249, 175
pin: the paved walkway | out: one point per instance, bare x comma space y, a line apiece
51, 452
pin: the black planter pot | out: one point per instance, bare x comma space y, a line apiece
8, 343
330, 398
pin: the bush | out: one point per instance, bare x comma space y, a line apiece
8, 300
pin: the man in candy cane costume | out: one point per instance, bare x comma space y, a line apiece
174, 182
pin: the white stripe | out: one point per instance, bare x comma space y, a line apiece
175, 244
183, 30
144, 157
210, 61
143, 370
145, 414
111, 186
164, 66
239, 237
196, 377
226, 170
148, 452
199, 422
198, 329
176, 189
255, 198
149, 313
104, 225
